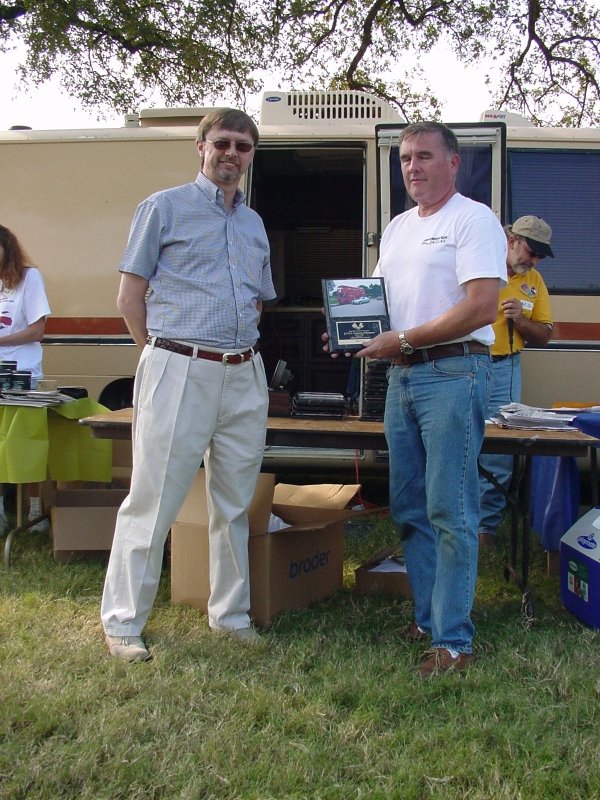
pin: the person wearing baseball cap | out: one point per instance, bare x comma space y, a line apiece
524, 316
536, 233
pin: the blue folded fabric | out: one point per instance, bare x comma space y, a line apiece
588, 422
554, 497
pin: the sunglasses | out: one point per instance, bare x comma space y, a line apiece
225, 144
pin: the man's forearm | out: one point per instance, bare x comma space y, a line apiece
131, 302
535, 333
134, 314
137, 328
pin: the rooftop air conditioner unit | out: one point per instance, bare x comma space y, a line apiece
508, 117
280, 108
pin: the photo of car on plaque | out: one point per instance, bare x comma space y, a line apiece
356, 311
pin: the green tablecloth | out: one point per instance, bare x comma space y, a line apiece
37, 442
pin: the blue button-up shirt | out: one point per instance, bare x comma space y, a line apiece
206, 267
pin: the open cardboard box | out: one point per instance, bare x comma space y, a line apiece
83, 516
384, 574
290, 568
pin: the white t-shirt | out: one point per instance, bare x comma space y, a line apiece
20, 308
425, 261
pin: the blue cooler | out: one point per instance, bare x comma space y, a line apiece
580, 568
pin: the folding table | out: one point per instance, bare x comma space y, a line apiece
37, 442
354, 433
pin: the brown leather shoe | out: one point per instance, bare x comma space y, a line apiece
413, 633
435, 662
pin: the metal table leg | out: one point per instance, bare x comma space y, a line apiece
20, 526
517, 498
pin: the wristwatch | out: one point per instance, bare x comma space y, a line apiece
405, 348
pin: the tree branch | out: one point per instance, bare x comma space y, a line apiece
9, 13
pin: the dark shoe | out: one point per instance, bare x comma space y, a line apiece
435, 662
487, 541
127, 648
413, 633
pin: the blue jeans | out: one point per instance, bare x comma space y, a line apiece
434, 425
505, 388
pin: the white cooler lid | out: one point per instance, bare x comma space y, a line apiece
584, 535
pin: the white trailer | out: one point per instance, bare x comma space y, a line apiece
325, 179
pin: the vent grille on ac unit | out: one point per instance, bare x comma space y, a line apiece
358, 107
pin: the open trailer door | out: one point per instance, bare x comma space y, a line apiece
481, 175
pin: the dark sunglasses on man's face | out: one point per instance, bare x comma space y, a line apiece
225, 144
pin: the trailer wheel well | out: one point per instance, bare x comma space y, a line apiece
117, 394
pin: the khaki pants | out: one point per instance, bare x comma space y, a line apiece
187, 410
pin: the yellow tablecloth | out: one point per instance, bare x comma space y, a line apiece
37, 442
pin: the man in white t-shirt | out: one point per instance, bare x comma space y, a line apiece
443, 263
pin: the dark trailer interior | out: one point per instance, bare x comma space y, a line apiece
311, 199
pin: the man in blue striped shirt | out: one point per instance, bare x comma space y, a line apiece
193, 278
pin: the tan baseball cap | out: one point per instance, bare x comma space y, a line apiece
536, 233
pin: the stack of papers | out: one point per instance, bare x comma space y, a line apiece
33, 398
517, 415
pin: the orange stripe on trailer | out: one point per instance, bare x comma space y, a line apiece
576, 331
86, 326
115, 326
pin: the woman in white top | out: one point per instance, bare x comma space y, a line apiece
23, 311
23, 307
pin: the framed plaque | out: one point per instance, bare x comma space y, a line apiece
356, 311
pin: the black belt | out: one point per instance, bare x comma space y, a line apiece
424, 354
193, 351
501, 358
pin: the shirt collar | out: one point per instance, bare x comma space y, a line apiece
214, 193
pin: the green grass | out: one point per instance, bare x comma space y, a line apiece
329, 708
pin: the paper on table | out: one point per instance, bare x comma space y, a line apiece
518, 415
30, 402
33, 397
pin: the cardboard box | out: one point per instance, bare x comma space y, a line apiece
82, 517
384, 574
289, 568
122, 459
580, 568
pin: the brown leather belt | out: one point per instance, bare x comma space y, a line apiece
193, 351
424, 354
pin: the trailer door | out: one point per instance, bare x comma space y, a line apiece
481, 175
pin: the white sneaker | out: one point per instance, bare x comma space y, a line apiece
127, 648
245, 635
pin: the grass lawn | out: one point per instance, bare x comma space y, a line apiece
328, 708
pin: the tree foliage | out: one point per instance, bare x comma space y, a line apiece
193, 52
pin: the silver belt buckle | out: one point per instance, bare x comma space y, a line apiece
226, 356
